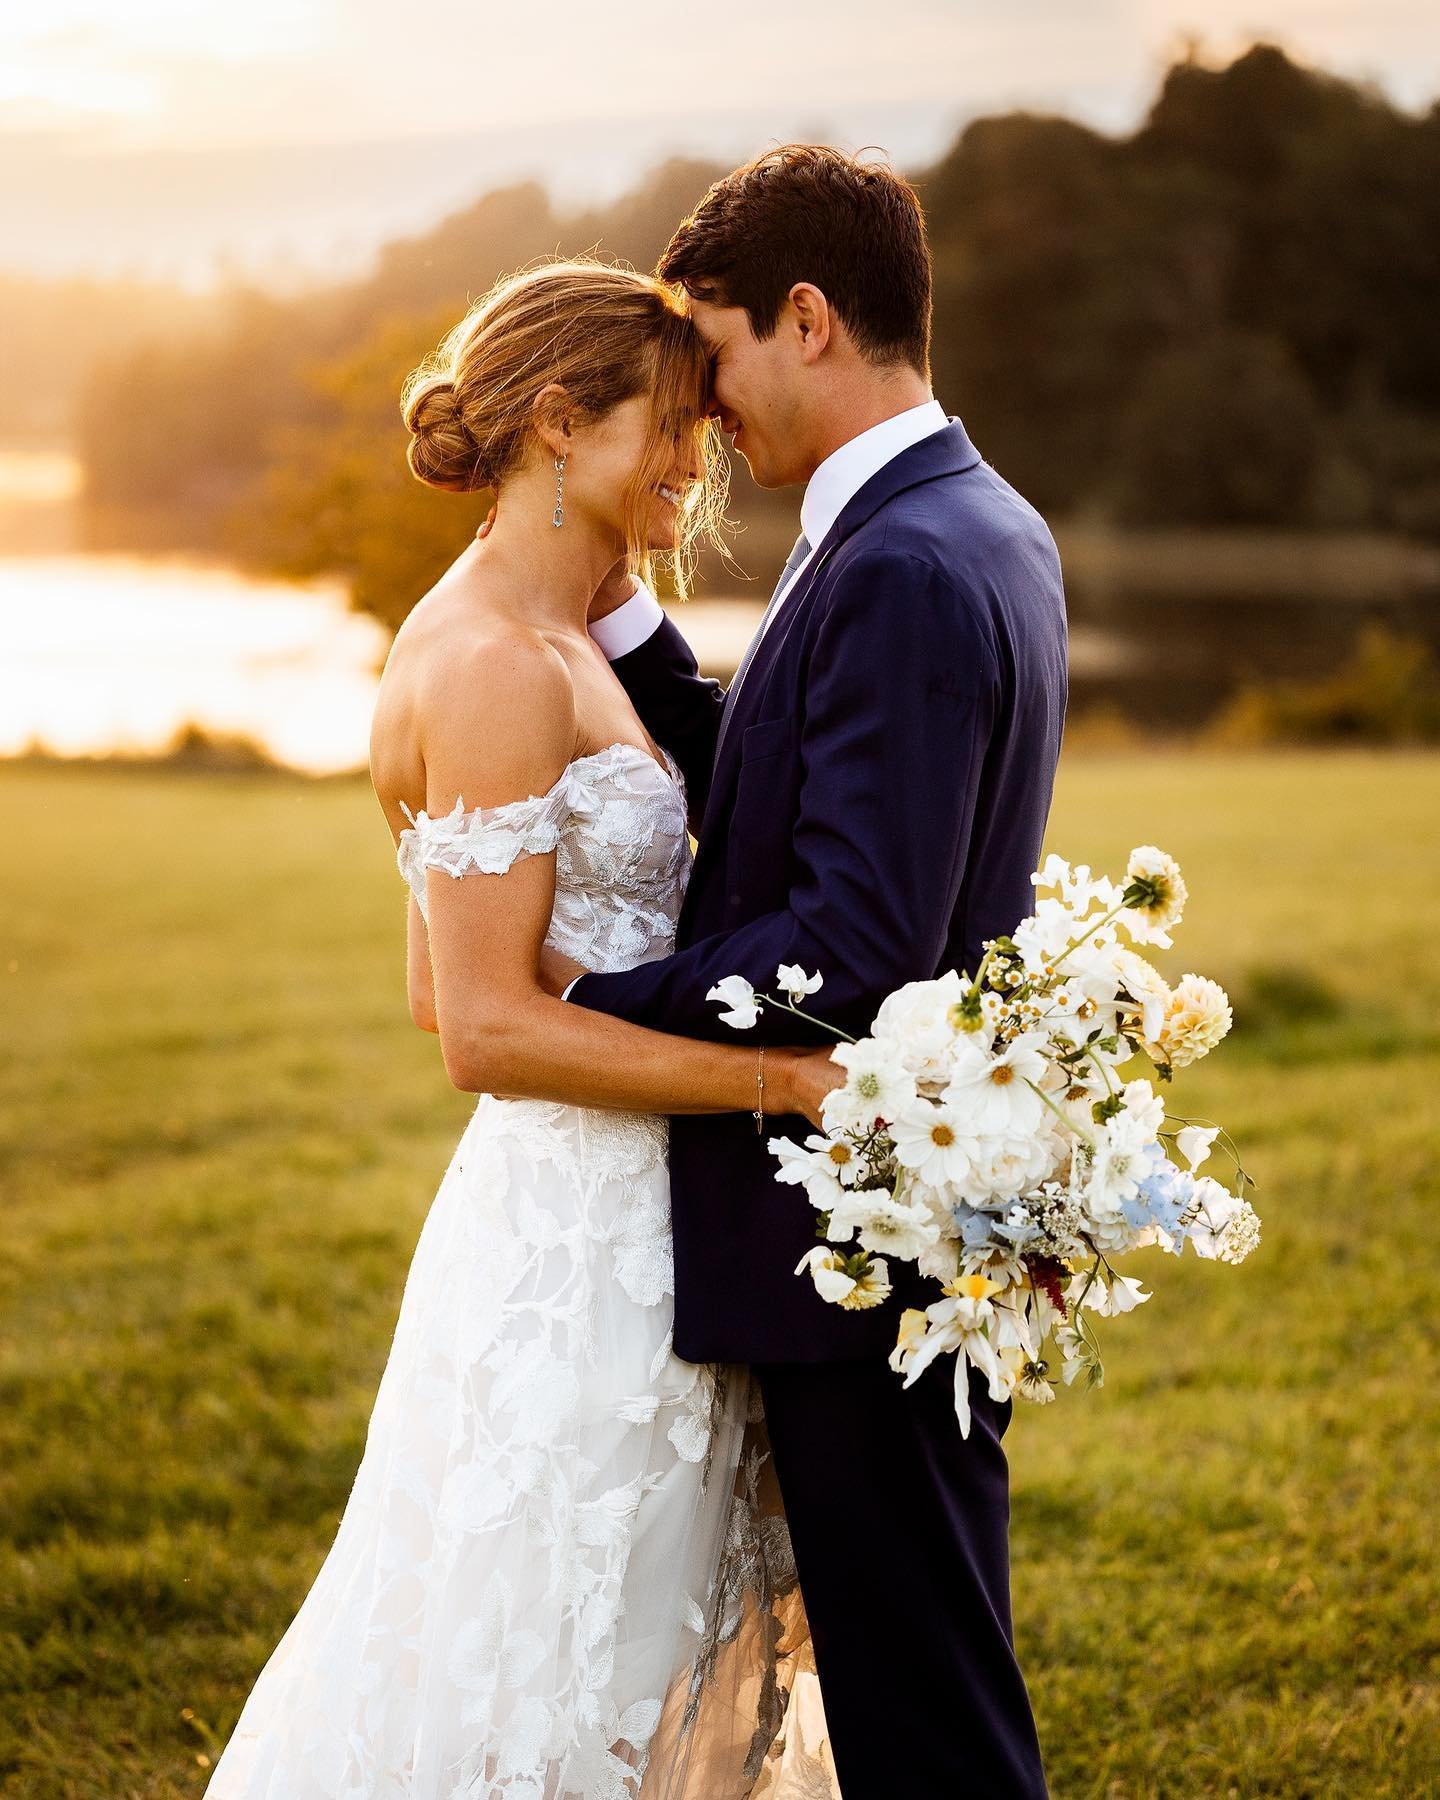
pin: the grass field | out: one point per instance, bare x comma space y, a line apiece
219, 1134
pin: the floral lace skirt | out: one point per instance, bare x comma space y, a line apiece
557, 1566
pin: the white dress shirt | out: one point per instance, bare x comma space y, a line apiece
830, 489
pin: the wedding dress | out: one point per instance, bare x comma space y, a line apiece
558, 1568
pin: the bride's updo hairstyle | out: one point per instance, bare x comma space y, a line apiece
602, 333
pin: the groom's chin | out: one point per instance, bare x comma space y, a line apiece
767, 473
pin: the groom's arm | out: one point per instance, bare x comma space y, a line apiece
899, 705
657, 668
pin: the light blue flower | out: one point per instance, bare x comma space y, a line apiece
976, 1228
1161, 1197
1018, 1227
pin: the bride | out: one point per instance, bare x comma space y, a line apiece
559, 1573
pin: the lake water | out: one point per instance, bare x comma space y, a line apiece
103, 655
107, 654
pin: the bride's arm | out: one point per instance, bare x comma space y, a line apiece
419, 980
503, 729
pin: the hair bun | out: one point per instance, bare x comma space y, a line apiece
443, 451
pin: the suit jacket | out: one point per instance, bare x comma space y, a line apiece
875, 811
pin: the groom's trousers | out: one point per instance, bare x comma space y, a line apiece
901, 1535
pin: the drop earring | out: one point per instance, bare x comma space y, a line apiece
557, 518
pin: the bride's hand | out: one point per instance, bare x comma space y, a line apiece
812, 1075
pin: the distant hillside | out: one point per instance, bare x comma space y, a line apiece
1224, 318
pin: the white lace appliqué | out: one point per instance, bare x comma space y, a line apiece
538, 1548
616, 823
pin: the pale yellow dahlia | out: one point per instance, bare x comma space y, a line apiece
1197, 1016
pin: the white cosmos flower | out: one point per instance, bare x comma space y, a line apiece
889, 1225
736, 993
993, 1093
929, 1139
824, 1167
877, 1086
796, 983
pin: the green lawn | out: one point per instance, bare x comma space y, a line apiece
219, 1134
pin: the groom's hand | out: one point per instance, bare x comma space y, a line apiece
557, 970
618, 586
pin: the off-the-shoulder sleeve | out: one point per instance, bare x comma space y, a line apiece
484, 840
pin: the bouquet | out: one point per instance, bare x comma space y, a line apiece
991, 1130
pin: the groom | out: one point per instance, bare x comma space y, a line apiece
869, 800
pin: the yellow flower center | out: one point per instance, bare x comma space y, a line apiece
840, 1153
1001, 1074
942, 1135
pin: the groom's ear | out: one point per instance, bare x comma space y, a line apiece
809, 318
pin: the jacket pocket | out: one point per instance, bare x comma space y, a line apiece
769, 738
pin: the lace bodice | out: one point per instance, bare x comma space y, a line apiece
616, 822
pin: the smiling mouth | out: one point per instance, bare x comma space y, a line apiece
669, 493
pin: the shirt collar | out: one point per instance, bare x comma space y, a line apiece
846, 470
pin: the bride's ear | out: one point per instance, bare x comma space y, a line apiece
553, 413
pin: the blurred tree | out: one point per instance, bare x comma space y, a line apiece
1223, 431
338, 496
1226, 316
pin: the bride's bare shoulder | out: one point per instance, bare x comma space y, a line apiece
466, 682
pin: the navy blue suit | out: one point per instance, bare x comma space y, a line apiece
874, 813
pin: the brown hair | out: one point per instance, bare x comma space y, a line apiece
604, 334
806, 212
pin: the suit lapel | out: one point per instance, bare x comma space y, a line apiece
947, 452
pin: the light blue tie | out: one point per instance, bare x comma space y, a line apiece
793, 562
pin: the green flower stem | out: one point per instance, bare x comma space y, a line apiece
1066, 1121
1104, 1069
1103, 920
790, 1007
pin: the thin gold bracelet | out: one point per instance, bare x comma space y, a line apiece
760, 1094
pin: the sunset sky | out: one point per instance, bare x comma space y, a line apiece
159, 135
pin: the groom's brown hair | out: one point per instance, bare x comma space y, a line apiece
806, 212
